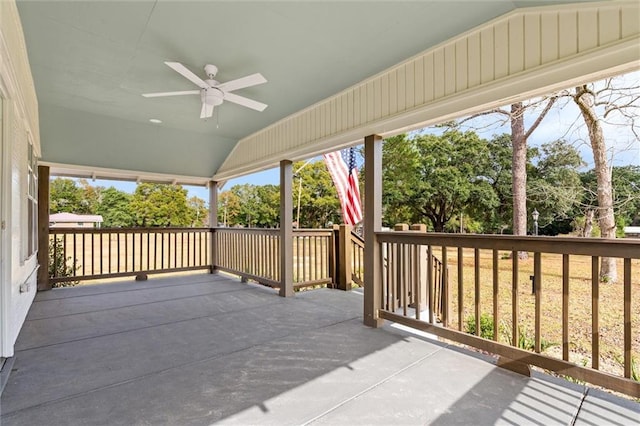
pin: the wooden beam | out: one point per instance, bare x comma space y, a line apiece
43, 228
372, 224
286, 229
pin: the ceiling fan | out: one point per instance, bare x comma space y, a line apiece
212, 92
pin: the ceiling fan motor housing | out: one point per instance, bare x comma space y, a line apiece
212, 95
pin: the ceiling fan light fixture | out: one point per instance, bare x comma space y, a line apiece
212, 96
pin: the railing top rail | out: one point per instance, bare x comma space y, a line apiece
70, 230
248, 230
560, 245
357, 239
304, 232
313, 232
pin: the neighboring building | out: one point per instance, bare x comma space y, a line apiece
71, 220
632, 231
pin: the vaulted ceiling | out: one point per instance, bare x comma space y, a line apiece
92, 60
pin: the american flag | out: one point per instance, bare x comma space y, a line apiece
343, 170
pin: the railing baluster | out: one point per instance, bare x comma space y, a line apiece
75, 259
515, 299
476, 283
446, 317
193, 241
119, 252
537, 289
404, 266
109, 250
565, 307
417, 296
430, 302
101, 254
55, 254
496, 305
595, 297
83, 253
189, 249
461, 288
627, 318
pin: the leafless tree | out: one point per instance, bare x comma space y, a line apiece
615, 101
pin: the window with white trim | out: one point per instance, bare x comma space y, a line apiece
32, 201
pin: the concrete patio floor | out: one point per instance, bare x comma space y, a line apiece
199, 349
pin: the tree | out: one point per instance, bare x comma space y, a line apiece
267, 211
89, 197
399, 164
442, 176
626, 195
65, 196
198, 212
115, 208
257, 206
319, 202
160, 205
519, 136
555, 188
228, 208
612, 101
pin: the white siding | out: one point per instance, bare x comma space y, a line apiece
19, 123
523, 53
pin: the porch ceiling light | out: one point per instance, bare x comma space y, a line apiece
155, 121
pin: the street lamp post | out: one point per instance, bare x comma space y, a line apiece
535, 216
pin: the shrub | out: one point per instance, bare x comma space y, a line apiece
59, 266
486, 326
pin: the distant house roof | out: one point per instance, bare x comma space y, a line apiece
75, 218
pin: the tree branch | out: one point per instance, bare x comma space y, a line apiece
544, 112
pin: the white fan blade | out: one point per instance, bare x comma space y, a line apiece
241, 83
206, 111
246, 102
159, 94
186, 73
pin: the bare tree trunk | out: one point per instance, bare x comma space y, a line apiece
519, 173
585, 99
588, 223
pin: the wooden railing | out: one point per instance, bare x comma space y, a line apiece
313, 257
250, 253
565, 274
357, 259
86, 254
254, 254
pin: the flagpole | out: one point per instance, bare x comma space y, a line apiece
299, 193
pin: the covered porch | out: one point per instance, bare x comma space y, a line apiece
201, 349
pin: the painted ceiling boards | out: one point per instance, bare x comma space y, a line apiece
92, 60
